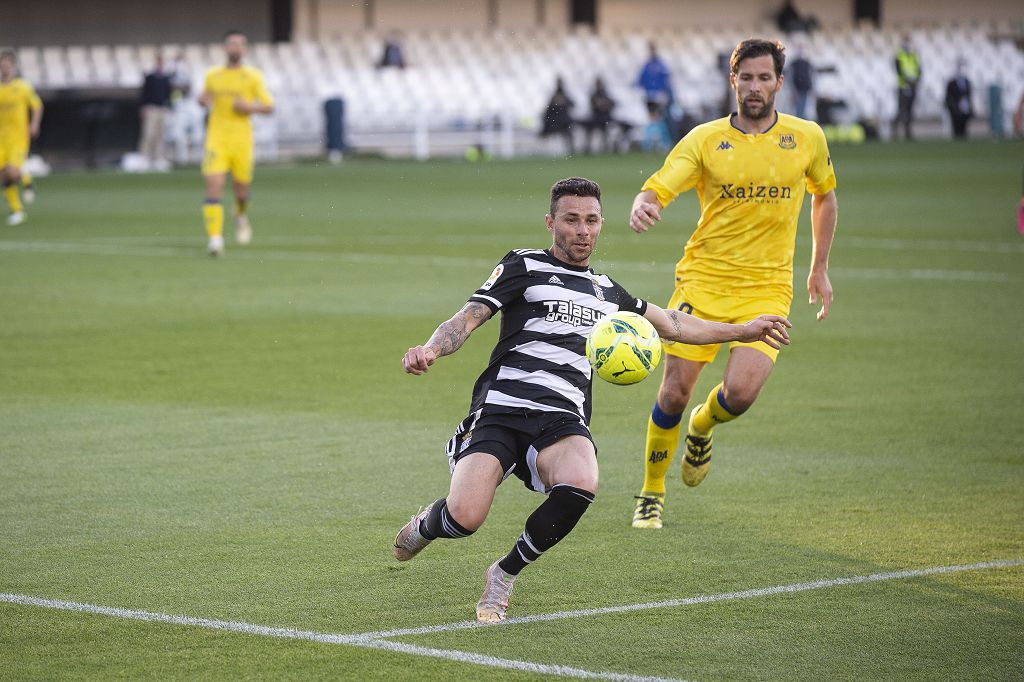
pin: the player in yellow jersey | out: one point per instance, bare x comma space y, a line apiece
232, 93
17, 99
750, 171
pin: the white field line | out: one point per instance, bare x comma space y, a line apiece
442, 239
328, 638
493, 662
954, 245
116, 249
706, 599
381, 640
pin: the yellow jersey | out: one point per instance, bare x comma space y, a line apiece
751, 188
17, 97
224, 85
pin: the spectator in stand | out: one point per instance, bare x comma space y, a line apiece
393, 55
655, 80
1018, 118
801, 75
958, 100
558, 117
908, 75
656, 132
601, 106
155, 104
184, 117
789, 20
1018, 130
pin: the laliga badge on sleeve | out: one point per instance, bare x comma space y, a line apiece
493, 278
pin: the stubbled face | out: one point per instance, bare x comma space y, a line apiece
235, 46
6, 68
574, 228
756, 86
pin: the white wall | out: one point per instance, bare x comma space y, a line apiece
90, 22
327, 18
899, 12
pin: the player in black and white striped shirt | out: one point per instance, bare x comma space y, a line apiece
531, 406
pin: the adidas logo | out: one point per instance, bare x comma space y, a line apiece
724, 145
554, 280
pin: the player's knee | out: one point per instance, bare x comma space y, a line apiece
468, 514
584, 479
673, 397
739, 398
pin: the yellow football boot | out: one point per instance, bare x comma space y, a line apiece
697, 462
649, 509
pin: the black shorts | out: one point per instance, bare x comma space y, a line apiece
514, 439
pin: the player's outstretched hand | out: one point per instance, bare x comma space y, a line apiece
643, 216
771, 329
418, 359
818, 285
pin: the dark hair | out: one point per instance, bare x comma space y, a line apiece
573, 187
234, 32
758, 47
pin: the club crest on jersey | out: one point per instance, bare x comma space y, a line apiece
598, 291
493, 278
786, 141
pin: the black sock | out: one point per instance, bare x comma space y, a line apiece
548, 524
440, 524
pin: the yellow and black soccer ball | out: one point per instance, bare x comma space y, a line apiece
623, 348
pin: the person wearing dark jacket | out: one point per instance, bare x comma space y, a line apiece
558, 116
801, 75
958, 100
154, 108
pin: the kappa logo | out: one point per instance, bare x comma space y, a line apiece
786, 141
724, 145
554, 280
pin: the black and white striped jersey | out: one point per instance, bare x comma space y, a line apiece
547, 310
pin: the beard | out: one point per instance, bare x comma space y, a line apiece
575, 253
767, 105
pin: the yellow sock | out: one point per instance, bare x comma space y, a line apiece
26, 179
13, 198
662, 441
213, 216
713, 411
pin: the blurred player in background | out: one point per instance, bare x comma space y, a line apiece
17, 127
750, 170
232, 93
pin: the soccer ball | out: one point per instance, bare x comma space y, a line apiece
623, 348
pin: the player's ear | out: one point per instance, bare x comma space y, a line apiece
549, 221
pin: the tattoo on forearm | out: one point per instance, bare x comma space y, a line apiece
677, 327
451, 334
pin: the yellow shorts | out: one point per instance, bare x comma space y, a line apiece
228, 156
718, 308
13, 153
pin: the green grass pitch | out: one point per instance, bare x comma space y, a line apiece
236, 440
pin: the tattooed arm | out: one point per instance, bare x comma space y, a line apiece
447, 338
674, 325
